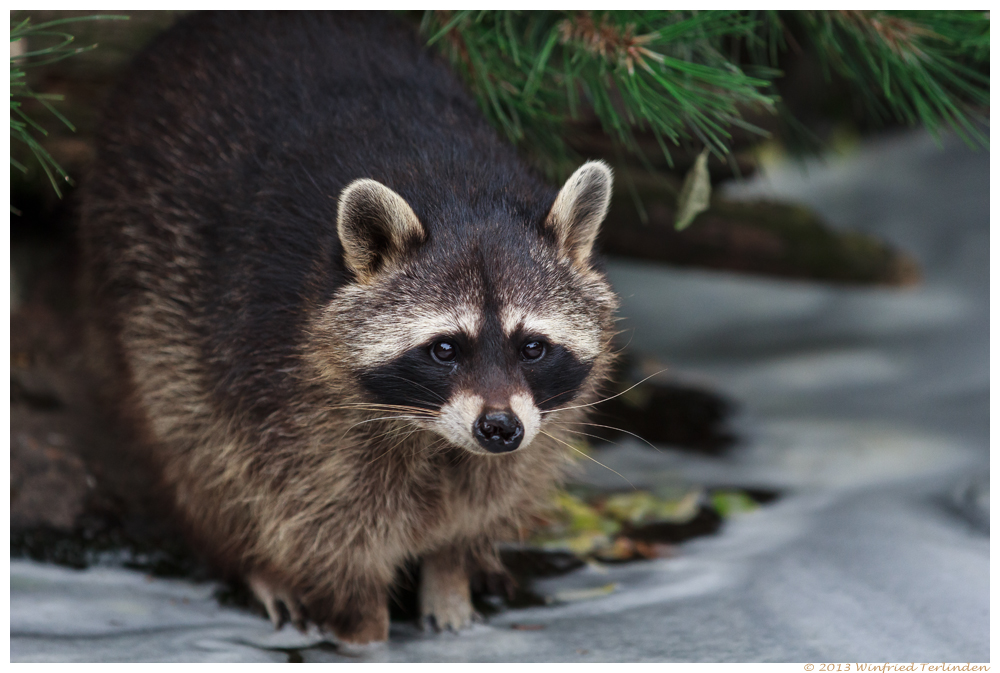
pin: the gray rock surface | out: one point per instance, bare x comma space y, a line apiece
867, 408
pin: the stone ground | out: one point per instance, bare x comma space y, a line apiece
868, 409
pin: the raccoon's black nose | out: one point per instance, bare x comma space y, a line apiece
498, 431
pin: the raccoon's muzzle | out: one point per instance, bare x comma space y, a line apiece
498, 431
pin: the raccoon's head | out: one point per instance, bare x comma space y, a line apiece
473, 330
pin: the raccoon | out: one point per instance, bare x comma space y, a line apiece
353, 328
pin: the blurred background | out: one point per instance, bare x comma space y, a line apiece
793, 462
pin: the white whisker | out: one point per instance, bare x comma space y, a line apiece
581, 406
589, 458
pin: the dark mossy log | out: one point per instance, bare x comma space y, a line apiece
762, 237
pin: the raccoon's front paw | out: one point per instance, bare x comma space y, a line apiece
278, 602
445, 603
370, 624
448, 613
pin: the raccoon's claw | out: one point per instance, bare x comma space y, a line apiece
278, 604
445, 599
453, 622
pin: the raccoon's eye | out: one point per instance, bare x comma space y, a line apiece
444, 352
533, 350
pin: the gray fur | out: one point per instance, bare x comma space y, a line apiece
248, 307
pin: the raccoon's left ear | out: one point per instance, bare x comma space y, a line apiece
376, 227
579, 209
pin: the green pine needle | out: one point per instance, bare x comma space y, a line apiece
22, 127
919, 67
656, 71
682, 76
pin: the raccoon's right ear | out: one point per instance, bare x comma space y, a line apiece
579, 209
376, 227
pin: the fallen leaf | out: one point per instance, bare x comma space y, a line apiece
651, 550
728, 503
642, 507
571, 595
695, 193
573, 525
622, 549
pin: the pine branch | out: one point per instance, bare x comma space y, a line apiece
658, 71
23, 127
919, 67
690, 76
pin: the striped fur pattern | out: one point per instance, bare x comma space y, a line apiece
277, 238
